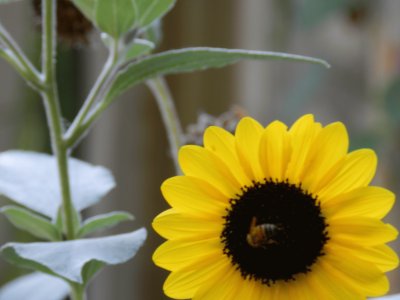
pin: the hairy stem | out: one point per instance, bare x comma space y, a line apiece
11, 52
77, 291
166, 105
53, 113
161, 92
75, 131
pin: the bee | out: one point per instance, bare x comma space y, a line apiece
263, 235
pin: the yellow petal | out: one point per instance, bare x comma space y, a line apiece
356, 170
361, 231
201, 163
357, 274
175, 225
327, 287
382, 255
177, 254
184, 283
299, 288
247, 136
302, 135
193, 195
275, 150
371, 201
254, 290
222, 143
329, 147
226, 287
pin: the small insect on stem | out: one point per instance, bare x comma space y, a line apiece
263, 235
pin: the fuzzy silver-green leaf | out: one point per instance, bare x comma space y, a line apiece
30, 222
87, 7
35, 286
192, 59
31, 179
8, 1
151, 10
139, 47
104, 221
115, 17
67, 259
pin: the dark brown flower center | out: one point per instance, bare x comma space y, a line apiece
273, 231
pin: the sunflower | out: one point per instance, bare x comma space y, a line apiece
275, 213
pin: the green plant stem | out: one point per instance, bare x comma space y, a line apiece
77, 291
12, 53
91, 118
165, 102
166, 105
75, 132
53, 112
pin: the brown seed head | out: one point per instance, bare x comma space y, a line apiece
228, 121
73, 27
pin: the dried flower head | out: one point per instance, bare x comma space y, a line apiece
228, 120
73, 27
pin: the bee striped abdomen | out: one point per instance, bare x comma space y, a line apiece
263, 235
